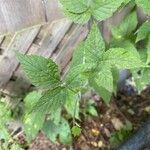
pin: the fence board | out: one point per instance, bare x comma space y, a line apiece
8, 63
17, 14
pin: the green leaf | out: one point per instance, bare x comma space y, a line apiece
94, 41
104, 93
51, 100
148, 51
105, 9
51, 130
127, 26
142, 79
31, 99
16, 147
145, 5
77, 11
121, 58
72, 105
143, 31
91, 110
76, 131
62, 130
89, 51
41, 71
128, 45
75, 79
77, 6
65, 132
33, 122
104, 78
80, 18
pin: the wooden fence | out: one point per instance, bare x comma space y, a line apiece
55, 39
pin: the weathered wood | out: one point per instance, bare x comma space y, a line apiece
55, 35
20, 42
65, 53
18, 14
53, 12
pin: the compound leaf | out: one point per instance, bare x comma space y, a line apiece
41, 71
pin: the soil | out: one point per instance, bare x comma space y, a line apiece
96, 131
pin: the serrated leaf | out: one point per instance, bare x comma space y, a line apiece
121, 58
80, 18
145, 5
104, 78
88, 52
77, 6
105, 9
76, 131
126, 44
94, 42
41, 71
51, 100
126, 27
62, 130
143, 31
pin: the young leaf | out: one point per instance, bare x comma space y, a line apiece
143, 31
76, 131
105, 9
145, 5
41, 71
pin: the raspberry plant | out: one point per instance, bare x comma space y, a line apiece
95, 65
